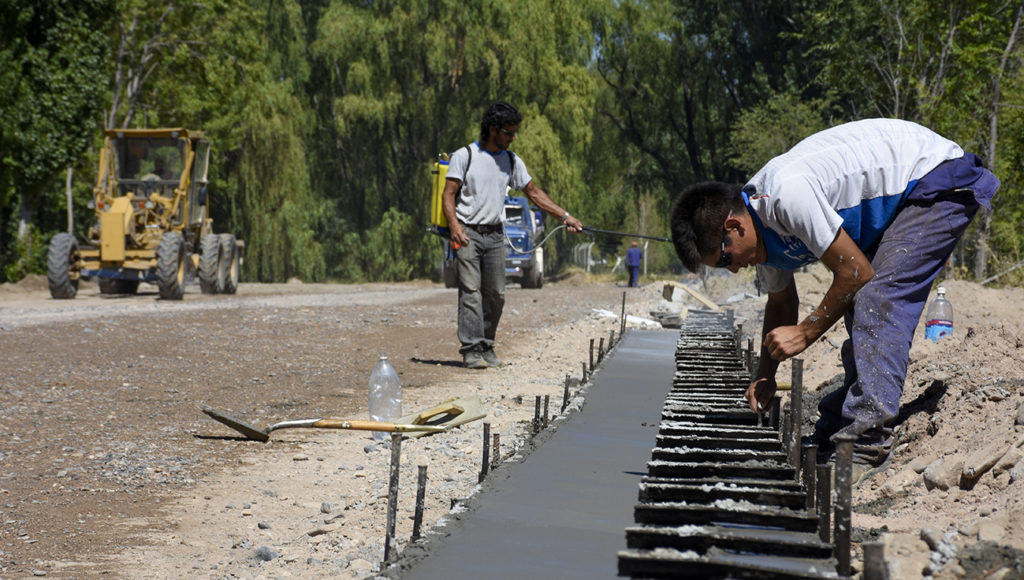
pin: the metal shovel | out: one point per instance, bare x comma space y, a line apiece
263, 435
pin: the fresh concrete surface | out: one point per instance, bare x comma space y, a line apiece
562, 512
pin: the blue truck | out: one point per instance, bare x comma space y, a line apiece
524, 260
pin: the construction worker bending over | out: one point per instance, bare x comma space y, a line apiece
882, 203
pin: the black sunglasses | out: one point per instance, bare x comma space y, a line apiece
508, 133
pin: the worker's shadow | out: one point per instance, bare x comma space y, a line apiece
443, 363
926, 402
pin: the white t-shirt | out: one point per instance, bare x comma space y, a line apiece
853, 176
482, 199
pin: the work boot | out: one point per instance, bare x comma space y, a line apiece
490, 358
473, 360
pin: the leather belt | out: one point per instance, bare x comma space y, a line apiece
484, 228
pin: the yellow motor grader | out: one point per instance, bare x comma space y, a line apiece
152, 221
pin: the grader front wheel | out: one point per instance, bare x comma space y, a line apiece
170, 268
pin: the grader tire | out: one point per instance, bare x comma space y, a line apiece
170, 266
211, 275
229, 263
61, 256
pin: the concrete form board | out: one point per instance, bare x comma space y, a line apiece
562, 512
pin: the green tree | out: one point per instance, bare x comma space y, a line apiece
410, 78
53, 57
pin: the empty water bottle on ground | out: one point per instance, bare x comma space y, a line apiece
938, 320
385, 397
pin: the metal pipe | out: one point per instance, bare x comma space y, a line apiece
546, 415
600, 350
774, 412
396, 457
485, 462
611, 340
844, 484
824, 501
584, 381
591, 354
796, 411
421, 492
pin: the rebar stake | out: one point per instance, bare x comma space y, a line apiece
591, 354
600, 350
786, 428
421, 492
396, 457
739, 341
547, 399
824, 501
796, 411
485, 462
536, 415
584, 381
611, 340
774, 412
750, 356
622, 319
808, 471
874, 561
497, 451
844, 501
565, 394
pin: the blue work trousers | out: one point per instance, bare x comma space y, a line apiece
481, 267
881, 323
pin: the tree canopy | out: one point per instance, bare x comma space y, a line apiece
327, 115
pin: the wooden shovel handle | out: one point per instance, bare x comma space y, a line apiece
330, 423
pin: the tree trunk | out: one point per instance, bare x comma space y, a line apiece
985, 229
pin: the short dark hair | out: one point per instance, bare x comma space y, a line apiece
697, 217
500, 114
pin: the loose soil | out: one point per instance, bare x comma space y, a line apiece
109, 469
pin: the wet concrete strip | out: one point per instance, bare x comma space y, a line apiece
562, 512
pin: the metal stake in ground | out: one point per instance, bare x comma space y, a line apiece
810, 454
622, 320
421, 492
396, 457
600, 350
844, 483
874, 561
565, 394
547, 399
486, 462
591, 354
536, 415
796, 411
824, 502
497, 450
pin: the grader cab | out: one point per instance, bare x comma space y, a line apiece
152, 221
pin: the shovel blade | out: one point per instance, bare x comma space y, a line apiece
250, 431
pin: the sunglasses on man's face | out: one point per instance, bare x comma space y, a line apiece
507, 133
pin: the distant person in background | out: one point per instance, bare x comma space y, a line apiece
882, 203
474, 204
634, 257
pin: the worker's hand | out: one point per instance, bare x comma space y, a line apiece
458, 236
573, 225
760, 393
786, 341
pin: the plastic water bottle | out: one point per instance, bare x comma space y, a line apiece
385, 395
939, 318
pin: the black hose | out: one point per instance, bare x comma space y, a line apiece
624, 235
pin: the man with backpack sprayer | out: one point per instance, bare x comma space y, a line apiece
473, 202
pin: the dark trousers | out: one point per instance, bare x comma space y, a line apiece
634, 276
481, 265
884, 316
